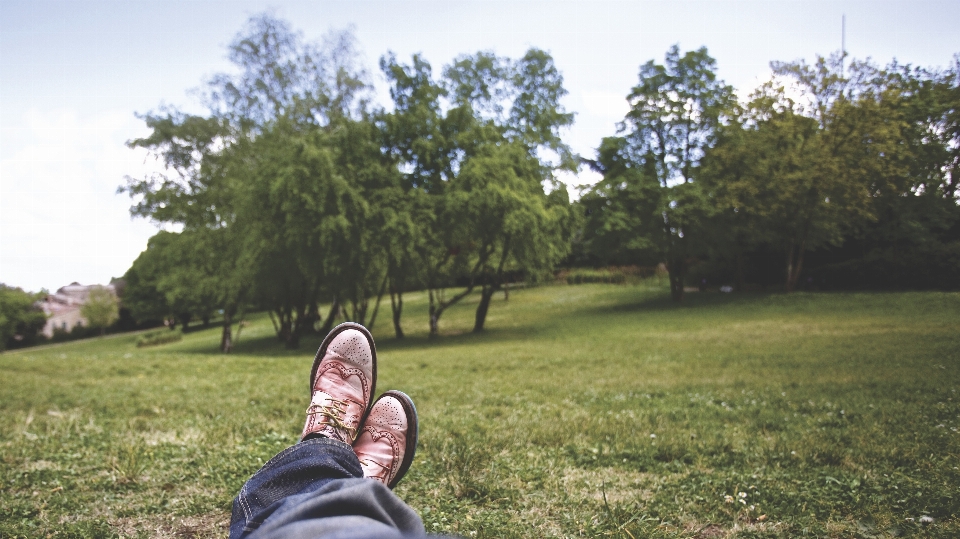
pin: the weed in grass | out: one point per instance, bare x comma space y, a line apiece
130, 462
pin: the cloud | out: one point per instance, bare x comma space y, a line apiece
60, 217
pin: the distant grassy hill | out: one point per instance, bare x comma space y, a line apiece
591, 410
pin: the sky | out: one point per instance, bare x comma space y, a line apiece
74, 74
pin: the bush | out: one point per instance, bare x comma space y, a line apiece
161, 336
610, 275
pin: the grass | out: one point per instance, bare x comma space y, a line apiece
592, 410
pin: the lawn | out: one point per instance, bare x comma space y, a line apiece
590, 410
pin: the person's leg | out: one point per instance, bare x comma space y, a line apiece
317, 487
300, 469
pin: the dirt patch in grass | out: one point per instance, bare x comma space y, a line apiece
710, 531
212, 525
618, 484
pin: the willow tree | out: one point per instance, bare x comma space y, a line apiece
463, 123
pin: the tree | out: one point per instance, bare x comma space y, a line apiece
100, 309
21, 320
300, 222
898, 130
648, 191
513, 224
484, 134
815, 167
289, 99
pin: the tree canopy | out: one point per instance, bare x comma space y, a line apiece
296, 189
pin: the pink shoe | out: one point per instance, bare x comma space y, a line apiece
342, 382
388, 438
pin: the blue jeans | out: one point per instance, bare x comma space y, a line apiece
315, 489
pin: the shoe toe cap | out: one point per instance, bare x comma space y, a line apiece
352, 346
389, 413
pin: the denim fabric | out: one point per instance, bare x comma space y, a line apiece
316, 489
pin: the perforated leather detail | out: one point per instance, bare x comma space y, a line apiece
353, 346
382, 440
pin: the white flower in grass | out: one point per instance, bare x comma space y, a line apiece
728, 499
742, 497
653, 435
926, 519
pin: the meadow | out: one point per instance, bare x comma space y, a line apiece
593, 410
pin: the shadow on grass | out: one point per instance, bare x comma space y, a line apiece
643, 301
691, 300
271, 346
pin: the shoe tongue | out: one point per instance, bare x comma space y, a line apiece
319, 397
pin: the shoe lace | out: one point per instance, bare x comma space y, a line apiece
333, 412
383, 469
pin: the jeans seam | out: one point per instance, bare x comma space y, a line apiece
248, 514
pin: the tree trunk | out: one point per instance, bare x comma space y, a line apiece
291, 325
794, 265
740, 279
331, 317
486, 294
434, 322
437, 306
487, 290
677, 270
396, 305
359, 311
225, 338
376, 306
284, 333
788, 283
313, 316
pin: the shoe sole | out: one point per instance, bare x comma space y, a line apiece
322, 351
412, 427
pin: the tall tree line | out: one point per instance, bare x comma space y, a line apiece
297, 190
857, 166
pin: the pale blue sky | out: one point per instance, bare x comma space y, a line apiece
73, 73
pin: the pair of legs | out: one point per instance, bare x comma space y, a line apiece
336, 482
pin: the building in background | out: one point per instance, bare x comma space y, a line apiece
63, 307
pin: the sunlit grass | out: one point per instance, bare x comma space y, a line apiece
588, 410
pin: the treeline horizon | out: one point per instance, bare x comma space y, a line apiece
298, 189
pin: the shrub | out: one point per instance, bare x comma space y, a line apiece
610, 275
160, 336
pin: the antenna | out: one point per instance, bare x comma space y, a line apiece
843, 42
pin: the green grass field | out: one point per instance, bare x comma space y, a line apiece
592, 410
